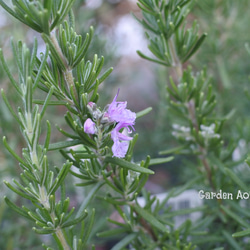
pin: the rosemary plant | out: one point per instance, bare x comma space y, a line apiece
104, 155
97, 143
191, 100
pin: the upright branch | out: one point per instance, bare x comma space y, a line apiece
103, 152
192, 102
99, 141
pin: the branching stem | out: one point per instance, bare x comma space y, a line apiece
68, 75
62, 239
191, 111
58, 49
176, 64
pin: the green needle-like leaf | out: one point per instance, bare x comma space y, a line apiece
143, 112
158, 161
150, 218
11, 109
236, 179
124, 242
76, 220
89, 227
112, 232
64, 144
6, 68
196, 47
128, 165
231, 240
151, 59
60, 177
89, 197
18, 158
234, 216
242, 233
19, 192
17, 209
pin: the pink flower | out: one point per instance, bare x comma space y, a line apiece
120, 149
89, 126
120, 146
117, 112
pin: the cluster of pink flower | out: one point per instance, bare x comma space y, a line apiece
118, 114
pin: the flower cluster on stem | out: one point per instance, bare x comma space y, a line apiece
117, 115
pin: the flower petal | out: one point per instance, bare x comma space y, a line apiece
120, 149
117, 112
89, 126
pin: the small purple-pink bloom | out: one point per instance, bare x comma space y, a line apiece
120, 146
117, 112
89, 126
120, 149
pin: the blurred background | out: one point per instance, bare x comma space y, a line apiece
142, 84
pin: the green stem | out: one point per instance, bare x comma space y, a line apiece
191, 111
62, 239
58, 49
176, 62
207, 168
203, 157
68, 76
59, 232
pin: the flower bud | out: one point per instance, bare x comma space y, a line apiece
105, 118
89, 126
91, 107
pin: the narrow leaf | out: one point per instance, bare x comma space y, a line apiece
112, 232
234, 216
128, 165
231, 240
18, 158
17, 209
46, 102
242, 233
11, 109
89, 228
63, 144
76, 220
40, 70
44, 230
150, 218
89, 197
151, 59
236, 179
157, 161
5, 67
19, 192
124, 242
196, 47
143, 112
61, 176
47, 139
